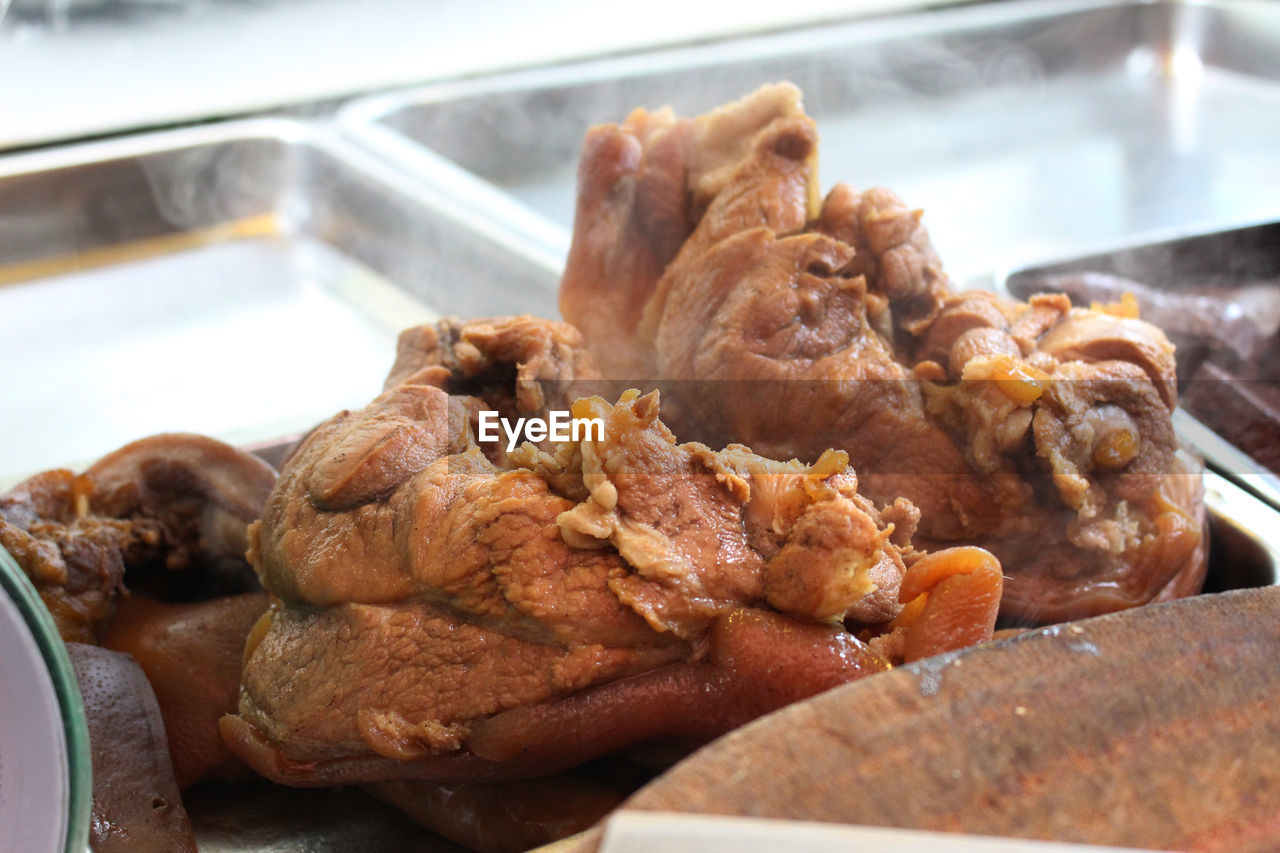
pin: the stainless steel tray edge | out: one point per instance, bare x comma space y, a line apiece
1230, 461
1245, 533
377, 108
1012, 265
416, 184
80, 219
133, 145
1187, 24
487, 207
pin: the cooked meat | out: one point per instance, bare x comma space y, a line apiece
1237, 323
1228, 349
199, 489
156, 506
506, 817
444, 616
642, 187
136, 805
167, 514
1037, 431
492, 357
191, 654
73, 559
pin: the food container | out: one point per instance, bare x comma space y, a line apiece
248, 279
162, 283
1025, 130
45, 774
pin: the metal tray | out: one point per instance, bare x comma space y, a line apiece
1025, 130
243, 280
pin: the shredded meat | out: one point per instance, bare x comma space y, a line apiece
75, 561
706, 265
452, 615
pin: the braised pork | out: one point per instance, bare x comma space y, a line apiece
452, 614
171, 509
704, 262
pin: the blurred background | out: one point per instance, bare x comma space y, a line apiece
73, 68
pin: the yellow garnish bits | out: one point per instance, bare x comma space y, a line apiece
1116, 449
1018, 380
1127, 306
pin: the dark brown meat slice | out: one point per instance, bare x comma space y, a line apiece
136, 805
506, 817
794, 329
1246, 412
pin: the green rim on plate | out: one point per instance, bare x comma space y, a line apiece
75, 728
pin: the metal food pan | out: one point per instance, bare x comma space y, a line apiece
243, 280
1025, 130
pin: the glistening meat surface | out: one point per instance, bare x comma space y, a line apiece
452, 614
705, 262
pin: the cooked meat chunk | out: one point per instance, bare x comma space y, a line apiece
1234, 325
136, 805
490, 358
642, 187
444, 616
74, 560
1039, 432
167, 514
191, 654
507, 817
154, 507
1228, 349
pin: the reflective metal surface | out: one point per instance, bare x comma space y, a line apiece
1026, 130
1244, 549
242, 280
